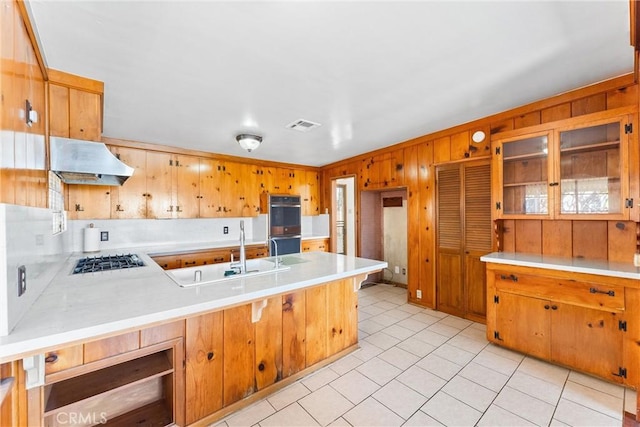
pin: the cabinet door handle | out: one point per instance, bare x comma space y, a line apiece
261, 367
79, 208
597, 291
554, 184
189, 262
547, 307
554, 307
178, 209
119, 208
170, 209
210, 355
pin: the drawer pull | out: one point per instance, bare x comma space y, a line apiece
596, 291
512, 277
52, 358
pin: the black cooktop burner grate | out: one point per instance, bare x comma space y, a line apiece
107, 262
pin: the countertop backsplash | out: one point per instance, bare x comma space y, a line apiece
26, 239
127, 233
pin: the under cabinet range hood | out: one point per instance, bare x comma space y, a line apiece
85, 162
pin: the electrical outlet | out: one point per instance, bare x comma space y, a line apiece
419, 294
22, 280
104, 236
404, 271
397, 270
225, 230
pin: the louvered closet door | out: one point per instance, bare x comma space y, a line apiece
464, 234
477, 237
449, 283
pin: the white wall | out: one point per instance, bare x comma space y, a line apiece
26, 239
395, 240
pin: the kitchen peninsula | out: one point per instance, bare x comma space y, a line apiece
205, 347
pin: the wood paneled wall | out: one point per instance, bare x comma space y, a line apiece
612, 240
23, 175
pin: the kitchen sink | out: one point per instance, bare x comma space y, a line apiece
216, 273
290, 260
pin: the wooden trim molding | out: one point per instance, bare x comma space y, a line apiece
22, 9
74, 81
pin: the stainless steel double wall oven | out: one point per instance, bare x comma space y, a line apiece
285, 224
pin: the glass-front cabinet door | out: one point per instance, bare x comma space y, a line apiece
524, 168
573, 169
592, 178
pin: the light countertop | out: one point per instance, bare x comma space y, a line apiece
576, 265
85, 306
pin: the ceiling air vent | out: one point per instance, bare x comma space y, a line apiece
302, 125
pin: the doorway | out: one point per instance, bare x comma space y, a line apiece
383, 232
343, 223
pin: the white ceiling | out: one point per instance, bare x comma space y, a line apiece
195, 74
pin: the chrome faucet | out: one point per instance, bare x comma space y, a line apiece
275, 245
243, 255
241, 265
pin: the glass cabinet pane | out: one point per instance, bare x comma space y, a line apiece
524, 176
590, 167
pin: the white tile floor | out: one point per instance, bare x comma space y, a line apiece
419, 367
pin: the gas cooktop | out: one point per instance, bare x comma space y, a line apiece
107, 262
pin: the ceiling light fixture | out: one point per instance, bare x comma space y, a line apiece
478, 136
249, 142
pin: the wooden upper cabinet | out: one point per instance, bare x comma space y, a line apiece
89, 201
75, 112
159, 179
285, 181
85, 115
58, 110
186, 187
311, 197
384, 170
265, 179
129, 201
461, 146
577, 170
209, 197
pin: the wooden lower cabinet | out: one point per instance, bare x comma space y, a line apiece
215, 256
204, 356
294, 333
239, 354
585, 322
268, 344
315, 245
192, 370
230, 354
342, 316
141, 386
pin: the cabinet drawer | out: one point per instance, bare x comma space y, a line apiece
64, 358
108, 347
168, 262
585, 294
